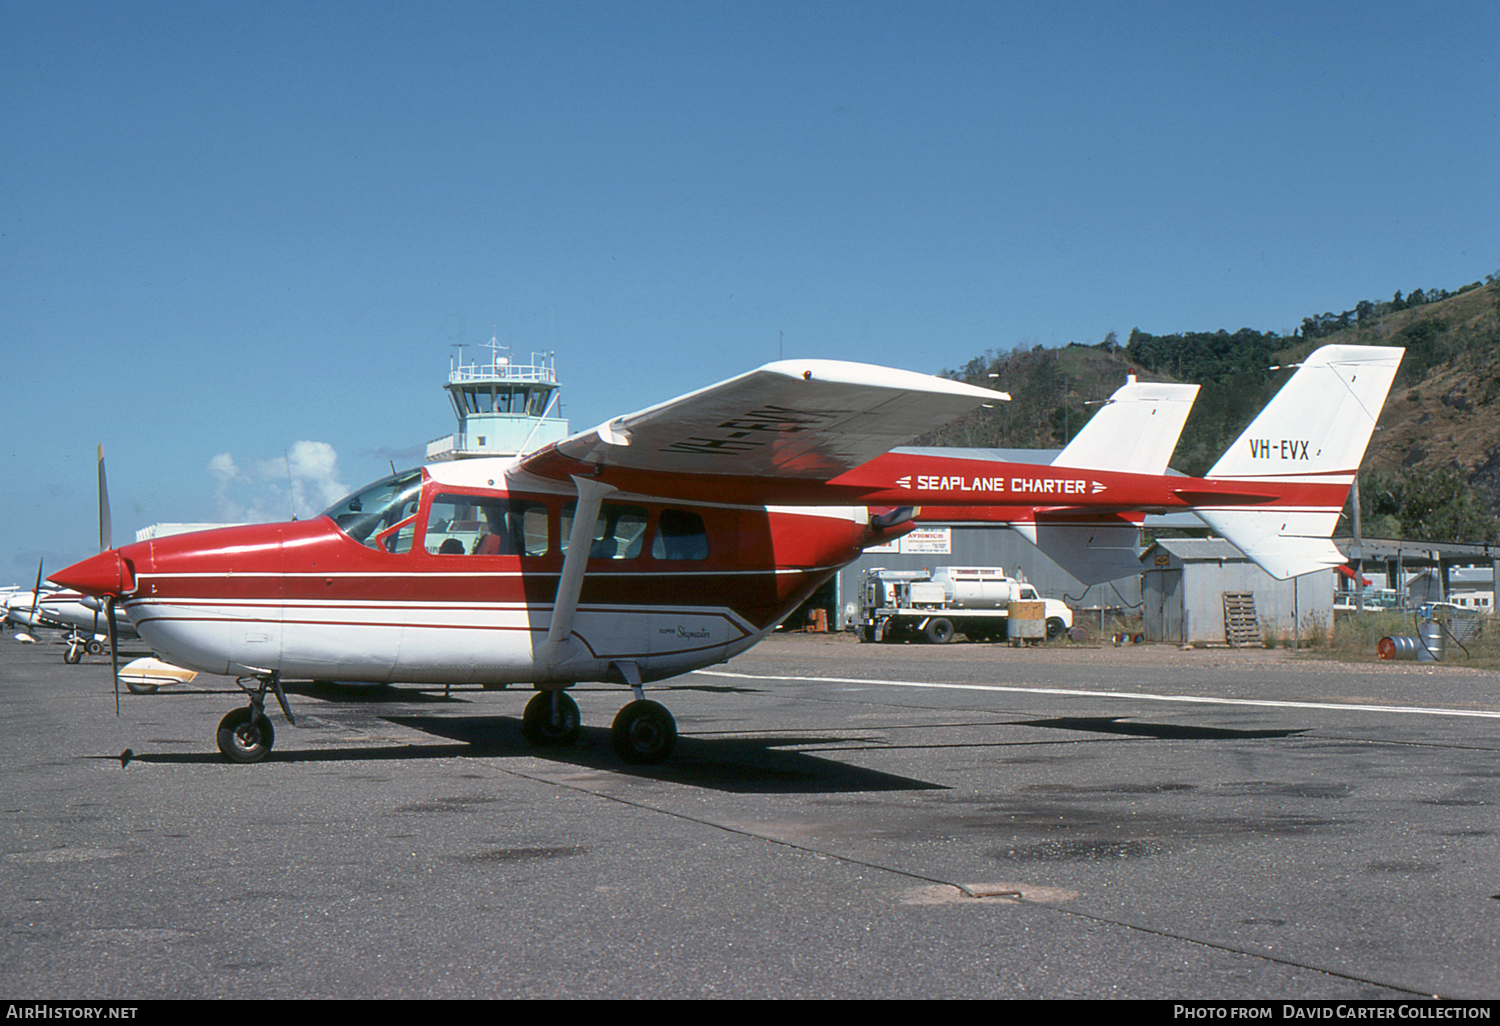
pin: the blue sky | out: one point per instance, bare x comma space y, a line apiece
237, 236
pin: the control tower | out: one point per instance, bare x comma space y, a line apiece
503, 408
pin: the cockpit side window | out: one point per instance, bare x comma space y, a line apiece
485, 525
375, 508
618, 533
680, 534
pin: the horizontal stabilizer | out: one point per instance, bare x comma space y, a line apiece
1282, 555
1095, 548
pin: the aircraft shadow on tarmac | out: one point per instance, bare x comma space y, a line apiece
1162, 731
748, 765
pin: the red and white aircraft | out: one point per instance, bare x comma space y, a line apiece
670, 539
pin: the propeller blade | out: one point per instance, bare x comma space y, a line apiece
114, 647
104, 519
36, 596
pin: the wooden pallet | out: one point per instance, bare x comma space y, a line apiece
1241, 625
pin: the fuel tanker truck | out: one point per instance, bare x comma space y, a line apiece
979, 602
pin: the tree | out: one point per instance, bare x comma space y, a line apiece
1425, 505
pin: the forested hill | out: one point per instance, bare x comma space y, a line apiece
1433, 468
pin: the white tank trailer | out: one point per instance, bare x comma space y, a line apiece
982, 603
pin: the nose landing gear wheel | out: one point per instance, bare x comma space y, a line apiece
245, 735
643, 733
549, 726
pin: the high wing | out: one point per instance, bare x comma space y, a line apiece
776, 434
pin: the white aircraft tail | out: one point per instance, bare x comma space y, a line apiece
1136, 431
1314, 432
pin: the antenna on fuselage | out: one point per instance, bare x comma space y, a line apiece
291, 489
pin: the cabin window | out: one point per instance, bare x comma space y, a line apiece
377, 508
618, 533
485, 526
680, 535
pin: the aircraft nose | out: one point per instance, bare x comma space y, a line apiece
104, 574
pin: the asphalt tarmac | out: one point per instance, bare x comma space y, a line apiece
838, 821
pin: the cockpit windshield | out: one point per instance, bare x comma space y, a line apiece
376, 507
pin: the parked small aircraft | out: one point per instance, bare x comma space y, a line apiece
670, 539
81, 616
54, 608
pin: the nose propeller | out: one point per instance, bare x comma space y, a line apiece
105, 530
114, 648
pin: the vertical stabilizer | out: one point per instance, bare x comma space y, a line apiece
1306, 447
1135, 432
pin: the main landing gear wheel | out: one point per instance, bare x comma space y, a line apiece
551, 720
245, 735
142, 688
643, 733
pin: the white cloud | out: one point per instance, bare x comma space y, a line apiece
302, 482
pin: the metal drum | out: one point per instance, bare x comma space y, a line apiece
1398, 646
1427, 648
1431, 641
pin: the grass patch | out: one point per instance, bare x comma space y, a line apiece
1355, 639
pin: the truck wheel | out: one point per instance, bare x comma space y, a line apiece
1056, 628
939, 631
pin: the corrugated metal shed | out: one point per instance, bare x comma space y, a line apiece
1184, 582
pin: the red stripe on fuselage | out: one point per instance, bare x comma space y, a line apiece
760, 563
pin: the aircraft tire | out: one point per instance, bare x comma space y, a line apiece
96, 647
138, 687
643, 733
73, 654
242, 741
537, 725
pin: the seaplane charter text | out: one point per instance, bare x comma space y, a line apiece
1024, 485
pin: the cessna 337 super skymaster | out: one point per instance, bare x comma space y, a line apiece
665, 541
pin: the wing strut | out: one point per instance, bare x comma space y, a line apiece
580, 538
